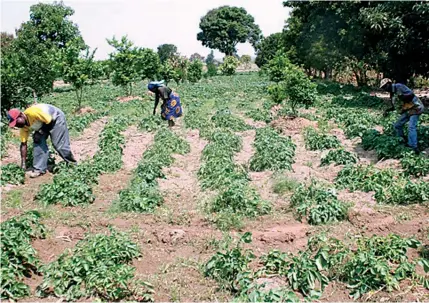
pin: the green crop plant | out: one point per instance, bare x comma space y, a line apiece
18, 258
142, 195
151, 123
365, 178
318, 205
239, 198
225, 119
99, 266
12, 174
78, 123
315, 140
386, 146
403, 192
273, 152
339, 157
217, 173
415, 165
225, 266
260, 115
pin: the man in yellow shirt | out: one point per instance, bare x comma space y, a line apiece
45, 120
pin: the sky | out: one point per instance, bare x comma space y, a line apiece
149, 23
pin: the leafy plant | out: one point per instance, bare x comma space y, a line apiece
318, 204
12, 174
225, 119
413, 165
339, 157
273, 152
315, 140
99, 266
18, 257
225, 266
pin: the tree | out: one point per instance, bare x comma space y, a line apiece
224, 27
124, 63
210, 58
77, 69
166, 51
278, 68
6, 40
147, 64
229, 65
195, 71
180, 66
167, 72
268, 48
246, 60
196, 56
27, 61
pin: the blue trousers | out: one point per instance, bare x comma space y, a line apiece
412, 128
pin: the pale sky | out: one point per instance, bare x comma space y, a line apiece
149, 23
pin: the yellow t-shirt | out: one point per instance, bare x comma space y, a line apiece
37, 115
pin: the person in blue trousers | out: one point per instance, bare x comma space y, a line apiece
411, 109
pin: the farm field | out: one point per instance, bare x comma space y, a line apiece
238, 201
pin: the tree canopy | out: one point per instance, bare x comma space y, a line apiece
224, 27
166, 51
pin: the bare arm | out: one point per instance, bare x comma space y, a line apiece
23, 149
156, 102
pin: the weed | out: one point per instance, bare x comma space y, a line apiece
284, 184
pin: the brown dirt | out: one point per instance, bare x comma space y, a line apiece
244, 155
180, 187
85, 110
86, 145
137, 142
128, 98
289, 126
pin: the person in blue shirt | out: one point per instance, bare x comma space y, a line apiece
411, 109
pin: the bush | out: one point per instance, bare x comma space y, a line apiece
339, 157
12, 174
229, 65
273, 152
315, 140
318, 205
18, 257
195, 71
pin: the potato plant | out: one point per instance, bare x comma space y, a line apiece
78, 123
413, 165
12, 174
98, 267
318, 205
273, 152
224, 118
315, 140
142, 195
339, 157
18, 258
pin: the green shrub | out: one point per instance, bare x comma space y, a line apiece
12, 174
273, 152
18, 258
315, 140
99, 266
318, 205
339, 157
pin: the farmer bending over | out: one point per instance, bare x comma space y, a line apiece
45, 120
171, 108
411, 110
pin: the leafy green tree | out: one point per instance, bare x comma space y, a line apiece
195, 71
180, 66
278, 67
246, 60
77, 69
268, 48
27, 61
210, 58
229, 65
124, 63
224, 27
196, 56
167, 72
211, 70
147, 64
6, 40
166, 51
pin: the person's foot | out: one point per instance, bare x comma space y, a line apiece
35, 174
